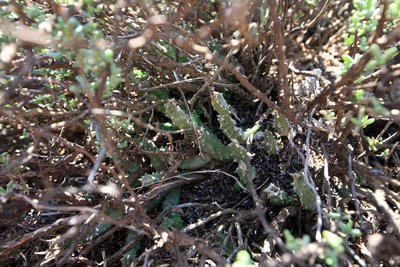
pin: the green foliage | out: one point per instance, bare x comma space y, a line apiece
42, 100
211, 146
379, 57
90, 52
4, 158
178, 117
335, 241
167, 49
34, 12
235, 134
345, 224
238, 151
149, 179
102, 227
378, 107
373, 142
13, 186
364, 19
347, 228
95, 60
168, 126
363, 23
264, 13
362, 120
359, 95
385, 154
334, 249
69, 103
293, 243
243, 259
139, 75
348, 62
173, 220
8, 14
24, 135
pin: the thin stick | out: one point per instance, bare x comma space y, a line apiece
195, 130
173, 84
353, 189
310, 183
327, 180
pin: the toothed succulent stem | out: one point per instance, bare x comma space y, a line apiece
209, 143
234, 133
195, 162
239, 153
177, 115
227, 124
304, 192
269, 143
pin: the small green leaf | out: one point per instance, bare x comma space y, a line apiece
355, 233
2, 190
347, 60
243, 259
333, 240
349, 40
367, 121
168, 126
335, 215
376, 51
108, 53
389, 54
359, 94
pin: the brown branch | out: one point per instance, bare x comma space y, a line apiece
176, 237
381, 23
318, 13
19, 242
280, 42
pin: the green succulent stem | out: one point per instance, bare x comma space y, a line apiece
210, 144
227, 124
307, 198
